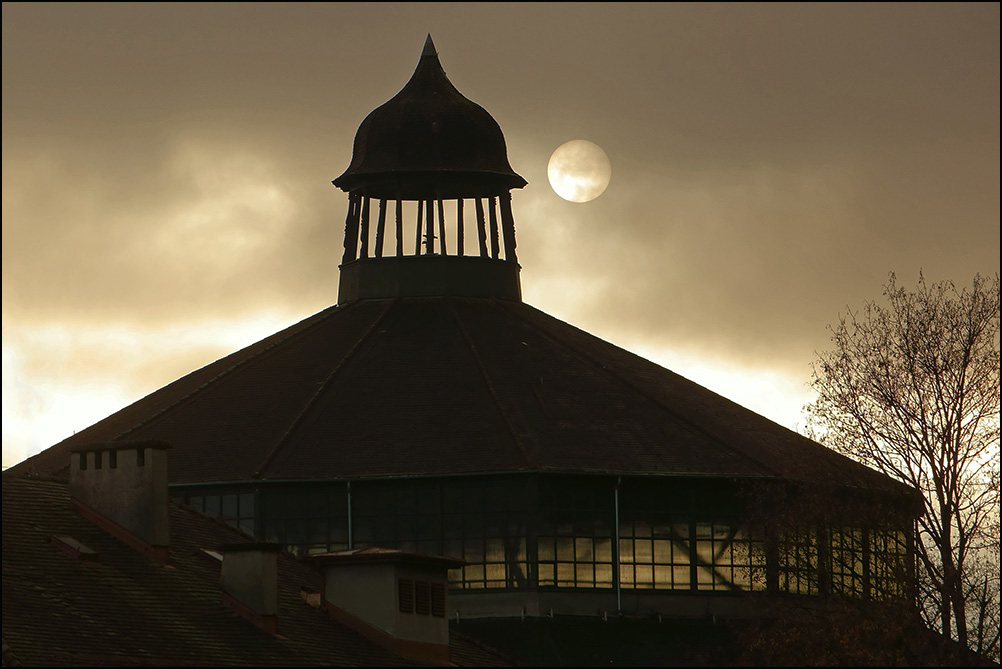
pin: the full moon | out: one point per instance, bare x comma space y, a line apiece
579, 171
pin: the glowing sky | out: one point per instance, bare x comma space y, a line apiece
167, 167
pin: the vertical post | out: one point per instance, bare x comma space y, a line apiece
400, 227
441, 226
351, 539
417, 235
481, 228
615, 550
772, 541
866, 534
380, 229
508, 228
351, 229
495, 242
824, 561
911, 562
429, 227
364, 234
460, 239
693, 556
532, 532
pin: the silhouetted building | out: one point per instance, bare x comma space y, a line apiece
433, 412
105, 571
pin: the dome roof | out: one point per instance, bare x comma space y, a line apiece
429, 141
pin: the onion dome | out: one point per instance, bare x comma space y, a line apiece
429, 141
422, 164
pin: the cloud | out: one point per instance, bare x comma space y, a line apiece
60, 377
189, 228
167, 166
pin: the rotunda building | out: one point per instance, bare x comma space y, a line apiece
432, 410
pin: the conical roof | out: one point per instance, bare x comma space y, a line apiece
444, 386
442, 383
429, 141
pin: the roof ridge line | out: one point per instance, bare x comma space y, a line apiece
519, 442
267, 349
632, 387
323, 386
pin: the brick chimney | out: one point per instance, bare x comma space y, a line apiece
394, 598
249, 577
124, 483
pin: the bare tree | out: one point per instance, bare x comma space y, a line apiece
911, 388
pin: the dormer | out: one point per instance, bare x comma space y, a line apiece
395, 598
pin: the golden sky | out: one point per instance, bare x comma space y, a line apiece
167, 168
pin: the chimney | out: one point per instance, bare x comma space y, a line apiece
394, 598
122, 486
249, 577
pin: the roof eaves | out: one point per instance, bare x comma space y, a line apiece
603, 369
214, 381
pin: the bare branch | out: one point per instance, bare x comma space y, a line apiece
911, 388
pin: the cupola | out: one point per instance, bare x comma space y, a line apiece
420, 163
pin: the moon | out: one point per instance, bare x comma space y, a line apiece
579, 171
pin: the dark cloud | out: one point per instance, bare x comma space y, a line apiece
168, 163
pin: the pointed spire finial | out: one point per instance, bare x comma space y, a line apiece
429, 48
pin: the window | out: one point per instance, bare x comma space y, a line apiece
482, 524
421, 597
654, 555
888, 563
574, 545
576, 555
730, 557
438, 600
235, 509
846, 556
314, 520
798, 562
485, 526
405, 590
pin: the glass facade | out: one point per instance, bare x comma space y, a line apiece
236, 509
562, 532
574, 536
729, 556
480, 522
655, 555
312, 518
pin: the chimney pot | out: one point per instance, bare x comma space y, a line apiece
249, 574
125, 482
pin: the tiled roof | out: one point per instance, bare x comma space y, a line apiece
440, 386
123, 609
